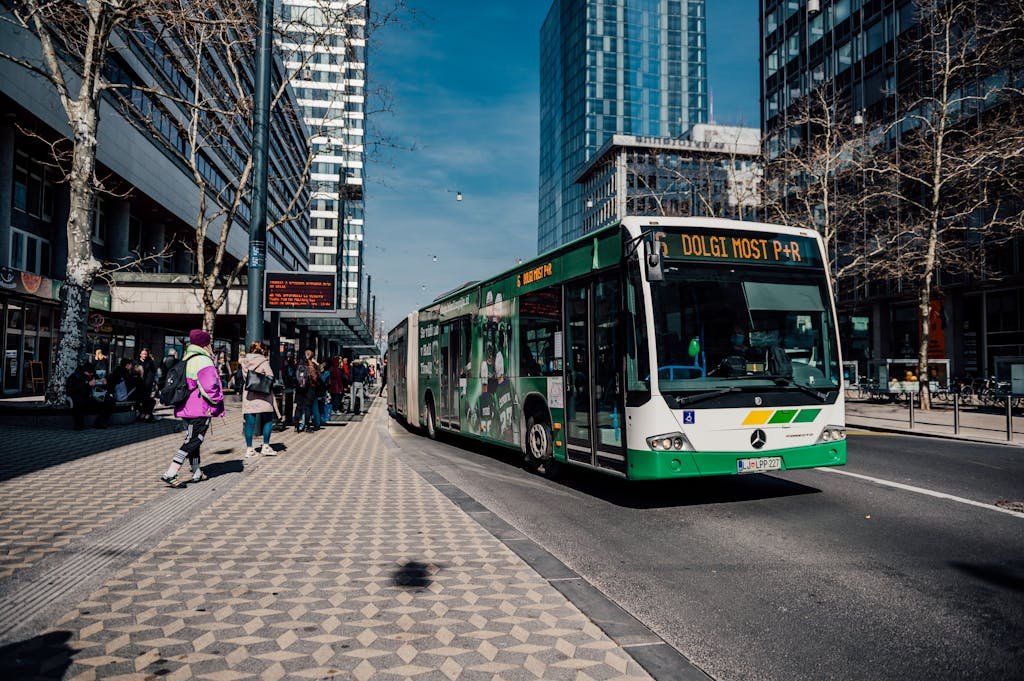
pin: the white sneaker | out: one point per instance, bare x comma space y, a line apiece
250, 452
267, 450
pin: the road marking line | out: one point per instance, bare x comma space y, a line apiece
921, 490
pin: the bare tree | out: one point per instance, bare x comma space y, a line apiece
74, 44
814, 179
214, 42
945, 178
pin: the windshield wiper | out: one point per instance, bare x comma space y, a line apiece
781, 380
700, 397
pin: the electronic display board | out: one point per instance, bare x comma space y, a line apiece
300, 291
737, 246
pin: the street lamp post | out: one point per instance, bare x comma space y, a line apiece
260, 136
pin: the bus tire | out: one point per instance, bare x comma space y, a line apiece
538, 443
431, 422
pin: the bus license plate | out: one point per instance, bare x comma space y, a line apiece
759, 465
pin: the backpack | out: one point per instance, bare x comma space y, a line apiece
302, 377
175, 391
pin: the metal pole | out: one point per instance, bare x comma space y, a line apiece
956, 413
1009, 417
369, 288
260, 135
911, 394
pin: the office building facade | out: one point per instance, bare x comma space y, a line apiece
855, 53
712, 171
146, 221
612, 67
324, 46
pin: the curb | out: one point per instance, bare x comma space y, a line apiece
938, 436
658, 658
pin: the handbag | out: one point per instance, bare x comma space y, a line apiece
258, 383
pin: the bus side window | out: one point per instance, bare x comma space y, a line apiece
540, 318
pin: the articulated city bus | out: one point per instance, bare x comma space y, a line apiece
654, 348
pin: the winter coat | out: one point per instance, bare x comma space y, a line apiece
206, 397
337, 377
148, 374
256, 403
359, 373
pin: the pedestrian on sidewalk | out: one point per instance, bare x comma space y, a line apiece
80, 388
305, 392
358, 378
170, 359
258, 408
383, 376
205, 400
337, 384
147, 370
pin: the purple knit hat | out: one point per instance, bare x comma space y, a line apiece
199, 337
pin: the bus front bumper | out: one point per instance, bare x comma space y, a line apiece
650, 465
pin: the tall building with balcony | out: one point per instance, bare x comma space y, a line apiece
612, 67
324, 46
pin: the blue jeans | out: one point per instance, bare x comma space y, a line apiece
250, 427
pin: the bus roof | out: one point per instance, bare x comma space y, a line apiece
633, 224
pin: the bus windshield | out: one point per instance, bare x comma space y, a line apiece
722, 326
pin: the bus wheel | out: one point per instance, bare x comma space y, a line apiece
431, 423
538, 444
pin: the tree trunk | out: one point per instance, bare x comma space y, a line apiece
209, 318
924, 309
81, 266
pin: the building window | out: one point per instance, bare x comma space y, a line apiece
99, 222
30, 253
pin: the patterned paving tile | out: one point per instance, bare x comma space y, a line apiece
57, 486
334, 560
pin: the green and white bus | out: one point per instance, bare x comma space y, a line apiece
654, 348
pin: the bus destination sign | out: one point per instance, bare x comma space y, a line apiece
535, 274
299, 291
740, 247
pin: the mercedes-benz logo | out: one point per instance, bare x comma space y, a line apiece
758, 401
758, 438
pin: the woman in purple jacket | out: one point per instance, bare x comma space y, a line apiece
205, 400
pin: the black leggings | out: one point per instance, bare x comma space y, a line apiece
195, 432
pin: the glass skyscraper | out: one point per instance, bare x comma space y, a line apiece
635, 67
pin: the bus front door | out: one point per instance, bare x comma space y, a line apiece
593, 392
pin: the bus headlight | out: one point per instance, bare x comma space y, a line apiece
832, 434
670, 442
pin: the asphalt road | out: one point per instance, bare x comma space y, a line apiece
799, 575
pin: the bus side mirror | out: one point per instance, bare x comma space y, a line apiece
653, 262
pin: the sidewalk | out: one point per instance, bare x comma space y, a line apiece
976, 425
333, 560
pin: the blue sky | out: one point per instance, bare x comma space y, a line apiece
463, 77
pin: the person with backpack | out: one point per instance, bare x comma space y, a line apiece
305, 393
169, 360
193, 387
258, 407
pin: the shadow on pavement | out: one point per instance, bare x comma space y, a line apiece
42, 657
39, 448
414, 575
223, 468
648, 494
1002, 576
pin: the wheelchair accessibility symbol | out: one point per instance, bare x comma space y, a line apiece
689, 417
